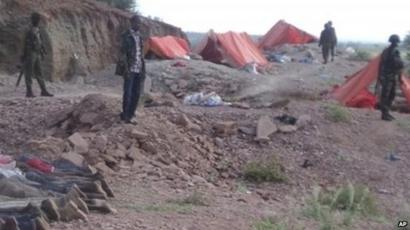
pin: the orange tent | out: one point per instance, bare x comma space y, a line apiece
234, 49
285, 33
354, 92
168, 47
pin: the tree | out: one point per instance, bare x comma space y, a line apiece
406, 45
129, 5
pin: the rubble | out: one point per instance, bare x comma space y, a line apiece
79, 143
225, 128
265, 127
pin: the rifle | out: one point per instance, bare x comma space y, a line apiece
20, 76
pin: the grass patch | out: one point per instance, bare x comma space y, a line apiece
268, 224
194, 199
169, 207
337, 113
339, 208
264, 171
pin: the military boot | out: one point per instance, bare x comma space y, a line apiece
386, 116
29, 92
45, 93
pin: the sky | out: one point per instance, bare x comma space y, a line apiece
354, 20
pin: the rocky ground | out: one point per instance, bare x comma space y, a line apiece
182, 167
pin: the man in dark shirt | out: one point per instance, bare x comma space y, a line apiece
328, 41
131, 66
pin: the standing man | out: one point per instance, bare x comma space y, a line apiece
328, 41
34, 53
390, 69
131, 66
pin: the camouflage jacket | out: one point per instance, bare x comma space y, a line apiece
33, 44
391, 63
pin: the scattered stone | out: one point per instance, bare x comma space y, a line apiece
183, 120
139, 135
133, 153
74, 158
89, 118
103, 168
110, 160
219, 142
79, 143
241, 105
182, 83
288, 128
265, 128
149, 147
303, 121
247, 130
226, 128
101, 142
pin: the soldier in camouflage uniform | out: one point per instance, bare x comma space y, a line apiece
390, 69
33, 54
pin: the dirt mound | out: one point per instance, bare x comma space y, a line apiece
81, 36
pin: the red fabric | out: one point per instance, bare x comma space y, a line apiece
364, 99
284, 33
236, 49
356, 83
405, 87
4, 159
168, 47
354, 92
40, 165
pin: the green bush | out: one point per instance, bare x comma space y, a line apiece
337, 113
268, 224
350, 201
264, 171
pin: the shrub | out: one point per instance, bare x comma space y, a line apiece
268, 224
350, 201
264, 171
337, 113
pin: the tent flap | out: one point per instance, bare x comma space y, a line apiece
236, 49
168, 47
285, 33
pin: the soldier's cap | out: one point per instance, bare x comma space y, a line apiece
394, 38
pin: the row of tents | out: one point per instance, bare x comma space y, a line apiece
231, 48
238, 49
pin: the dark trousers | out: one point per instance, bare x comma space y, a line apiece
328, 49
388, 93
133, 87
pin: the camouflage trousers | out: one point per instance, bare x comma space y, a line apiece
32, 68
388, 92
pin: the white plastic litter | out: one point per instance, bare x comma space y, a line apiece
201, 99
